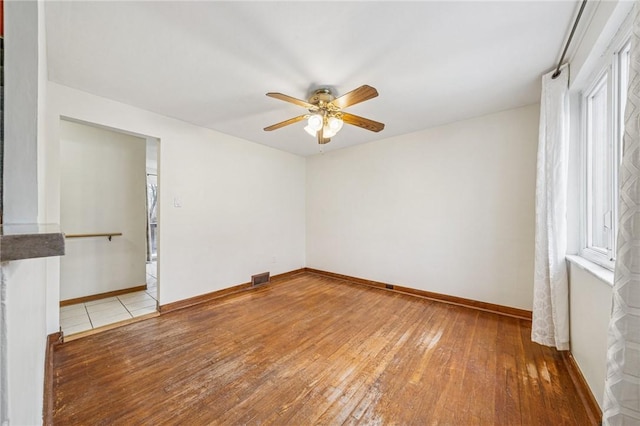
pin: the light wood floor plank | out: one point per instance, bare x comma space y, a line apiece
315, 350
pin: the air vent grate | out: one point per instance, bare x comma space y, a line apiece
260, 279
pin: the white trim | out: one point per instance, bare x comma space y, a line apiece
602, 25
597, 258
603, 274
603, 79
606, 67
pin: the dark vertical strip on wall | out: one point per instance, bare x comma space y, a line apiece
1, 102
1, 119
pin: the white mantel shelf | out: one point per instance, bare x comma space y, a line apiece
29, 241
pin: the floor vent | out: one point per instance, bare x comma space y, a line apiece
389, 286
260, 279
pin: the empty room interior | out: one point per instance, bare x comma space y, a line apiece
339, 212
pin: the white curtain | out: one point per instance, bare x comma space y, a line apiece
621, 404
550, 324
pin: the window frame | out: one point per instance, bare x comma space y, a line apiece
603, 80
610, 68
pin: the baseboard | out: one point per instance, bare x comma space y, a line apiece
474, 304
582, 388
453, 300
203, 298
92, 297
207, 297
48, 403
287, 275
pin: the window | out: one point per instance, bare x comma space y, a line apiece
603, 105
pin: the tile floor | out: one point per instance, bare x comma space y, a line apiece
97, 313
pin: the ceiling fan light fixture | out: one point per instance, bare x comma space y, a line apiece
309, 130
328, 133
335, 124
315, 122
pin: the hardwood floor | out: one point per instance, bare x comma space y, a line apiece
315, 350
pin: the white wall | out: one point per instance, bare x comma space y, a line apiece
102, 189
448, 210
590, 310
20, 177
24, 289
26, 339
241, 208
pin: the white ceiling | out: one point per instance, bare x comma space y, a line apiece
211, 63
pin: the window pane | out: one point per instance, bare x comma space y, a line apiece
624, 58
599, 170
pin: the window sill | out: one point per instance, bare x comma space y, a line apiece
603, 274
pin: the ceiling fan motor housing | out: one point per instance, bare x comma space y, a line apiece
321, 95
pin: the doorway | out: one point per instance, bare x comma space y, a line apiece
152, 215
109, 274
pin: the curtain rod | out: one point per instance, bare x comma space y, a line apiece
566, 46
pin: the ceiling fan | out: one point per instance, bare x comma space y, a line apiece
325, 117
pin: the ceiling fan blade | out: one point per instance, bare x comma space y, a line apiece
285, 123
365, 123
361, 94
288, 98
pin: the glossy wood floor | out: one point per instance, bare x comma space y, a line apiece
315, 350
